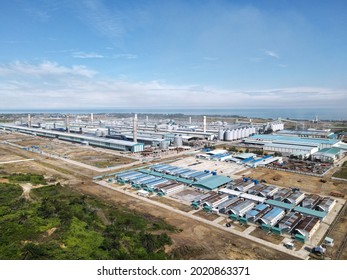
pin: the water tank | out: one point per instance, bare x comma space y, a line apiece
228, 136
98, 133
178, 141
221, 134
164, 145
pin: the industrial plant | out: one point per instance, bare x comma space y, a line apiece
201, 167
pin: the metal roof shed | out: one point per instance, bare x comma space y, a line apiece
212, 182
273, 216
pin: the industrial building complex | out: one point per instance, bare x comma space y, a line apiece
202, 169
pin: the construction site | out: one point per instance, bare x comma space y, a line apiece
92, 157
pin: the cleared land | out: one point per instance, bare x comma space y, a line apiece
194, 239
342, 173
76, 152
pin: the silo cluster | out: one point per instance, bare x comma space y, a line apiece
236, 133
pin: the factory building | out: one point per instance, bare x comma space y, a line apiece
113, 144
214, 201
238, 210
310, 201
306, 151
244, 186
263, 190
310, 133
262, 139
328, 155
257, 212
226, 205
289, 221
326, 204
294, 198
212, 182
307, 227
281, 194
272, 217
169, 189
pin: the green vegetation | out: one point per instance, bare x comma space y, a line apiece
34, 179
62, 224
342, 173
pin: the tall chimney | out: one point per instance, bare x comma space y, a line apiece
146, 118
29, 120
91, 117
190, 119
135, 128
204, 124
67, 123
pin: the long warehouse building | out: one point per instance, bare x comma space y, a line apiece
113, 144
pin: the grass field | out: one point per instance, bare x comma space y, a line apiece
342, 173
59, 223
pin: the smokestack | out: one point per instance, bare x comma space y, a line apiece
204, 124
67, 123
190, 119
146, 118
135, 128
91, 117
29, 120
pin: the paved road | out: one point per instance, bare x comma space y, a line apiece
14, 161
301, 254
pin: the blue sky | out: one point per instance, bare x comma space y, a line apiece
172, 53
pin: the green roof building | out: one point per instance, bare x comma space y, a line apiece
212, 182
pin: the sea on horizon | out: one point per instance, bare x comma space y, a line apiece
291, 113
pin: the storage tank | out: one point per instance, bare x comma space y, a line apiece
243, 133
164, 145
228, 136
178, 141
98, 133
238, 134
221, 134
234, 134
248, 131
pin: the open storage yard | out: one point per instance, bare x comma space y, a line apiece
76, 152
314, 168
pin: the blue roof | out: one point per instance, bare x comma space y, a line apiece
274, 212
261, 207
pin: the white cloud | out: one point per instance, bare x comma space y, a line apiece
46, 68
87, 55
56, 86
272, 54
125, 56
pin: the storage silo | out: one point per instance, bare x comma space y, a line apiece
164, 145
243, 132
234, 134
98, 133
228, 135
248, 131
238, 133
178, 141
221, 134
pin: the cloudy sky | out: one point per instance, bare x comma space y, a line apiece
63, 54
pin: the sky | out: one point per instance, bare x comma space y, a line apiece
77, 54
